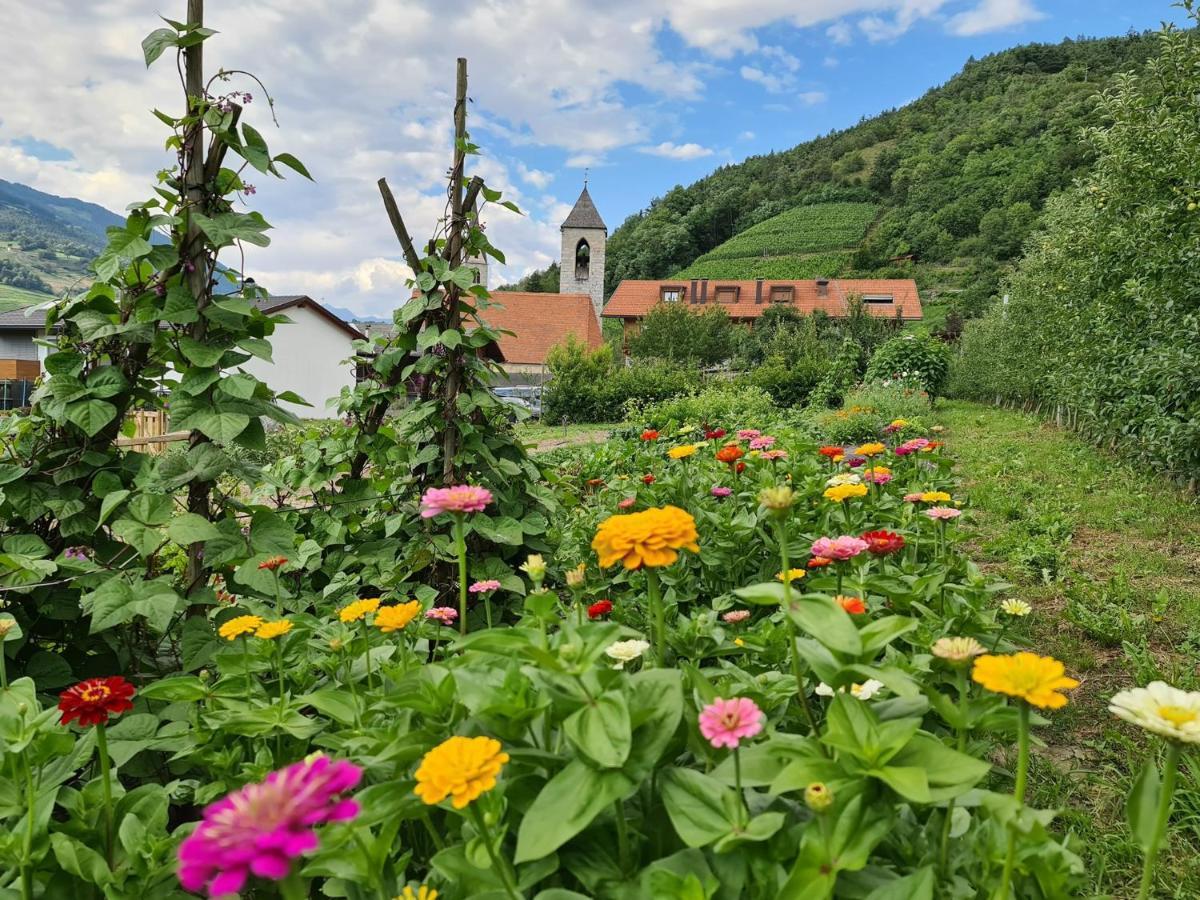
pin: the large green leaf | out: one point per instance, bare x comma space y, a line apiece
91, 415
221, 427
566, 805
698, 805
1141, 808
601, 731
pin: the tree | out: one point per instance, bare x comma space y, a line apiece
672, 331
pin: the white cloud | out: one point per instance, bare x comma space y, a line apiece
774, 84
993, 15
781, 57
669, 150
811, 98
746, 136
535, 177
830, 62
840, 33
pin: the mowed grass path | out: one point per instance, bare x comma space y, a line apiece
1109, 557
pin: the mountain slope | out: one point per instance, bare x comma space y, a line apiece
960, 175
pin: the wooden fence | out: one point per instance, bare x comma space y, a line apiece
150, 432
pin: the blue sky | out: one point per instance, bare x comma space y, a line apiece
645, 93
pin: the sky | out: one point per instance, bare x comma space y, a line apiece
640, 95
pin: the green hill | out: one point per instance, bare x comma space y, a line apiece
958, 179
808, 241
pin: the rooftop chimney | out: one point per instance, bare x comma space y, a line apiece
703, 290
822, 287
758, 283
693, 296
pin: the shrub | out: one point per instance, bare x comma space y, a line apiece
724, 404
787, 385
911, 356
673, 331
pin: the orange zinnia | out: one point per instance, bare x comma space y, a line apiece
652, 537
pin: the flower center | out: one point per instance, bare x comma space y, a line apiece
1177, 715
95, 693
730, 720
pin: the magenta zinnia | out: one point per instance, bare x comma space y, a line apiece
725, 723
463, 498
261, 828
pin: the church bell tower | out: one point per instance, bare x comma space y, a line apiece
584, 236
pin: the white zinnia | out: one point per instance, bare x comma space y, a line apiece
626, 651
1162, 709
844, 478
864, 691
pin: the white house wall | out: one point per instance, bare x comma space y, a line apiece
310, 356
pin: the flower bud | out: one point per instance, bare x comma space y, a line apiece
336, 644
818, 797
777, 499
535, 568
576, 575
569, 652
7, 625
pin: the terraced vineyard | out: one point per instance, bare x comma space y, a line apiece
804, 242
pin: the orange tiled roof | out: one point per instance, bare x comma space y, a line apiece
633, 299
539, 321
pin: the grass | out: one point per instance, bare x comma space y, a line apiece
15, 298
548, 437
1108, 555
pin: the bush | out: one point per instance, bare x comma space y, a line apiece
721, 404
909, 357
787, 385
869, 408
673, 331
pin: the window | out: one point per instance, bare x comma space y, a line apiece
727, 294
583, 258
877, 299
822, 287
671, 293
781, 294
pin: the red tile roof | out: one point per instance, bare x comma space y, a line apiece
539, 321
633, 299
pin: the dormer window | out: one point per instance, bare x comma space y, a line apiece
878, 299
781, 293
727, 293
671, 293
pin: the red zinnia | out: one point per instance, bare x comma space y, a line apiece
715, 435
830, 452
647, 479
275, 562
730, 453
852, 605
819, 562
600, 608
595, 482
649, 435
740, 468
881, 543
94, 700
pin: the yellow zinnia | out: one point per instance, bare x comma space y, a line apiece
872, 449
652, 538
393, 618
359, 609
235, 628
879, 470
840, 492
792, 575
424, 892
682, 451
461, 768
1035, 679
935, 497
270, 630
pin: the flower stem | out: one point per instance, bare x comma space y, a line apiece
659, 615
278, 593
293, 887
367, 640
793, 634
961, 732
1165, 796
3, 669
106, 779
506, 875
1018, 794
246, 666
460, 547
27, 856
622, 836
737, 779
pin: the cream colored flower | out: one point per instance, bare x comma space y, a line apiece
576, 576
626, 651
844, 478
1162, 709
534, 566
957, 649
1014, 607
864, 691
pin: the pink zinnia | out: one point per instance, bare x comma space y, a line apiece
943, 512
726, 723
480, 586
719, 491
462, 498
855, 461
844, 547
737, 615
762, 443
262, 827
627, 502
878, 477
748, 434
913, 498
444, 614
774, 454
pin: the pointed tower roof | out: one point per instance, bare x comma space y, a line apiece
585, 214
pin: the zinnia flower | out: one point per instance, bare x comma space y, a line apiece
649, 435
764, 442
462, 498
844, 547
1162, 709
726, 723
872, 449
819, 562
878, 477
852, 605
595, 482
841, 492
261, 828
424, 892
935, 497
647, 479
773, 455
359, 609
912, 498
240, 625
790, 575
733, 617
575, 577
627, 503
715, 434
270, 630
1014, 607
830, 452
7, 625
818, 797
461, 768
740, 468
748, 434
719, 491
682, 451
479, 587
599, 608
943, 513
777, 499
881, 543
844, 478
957, 649
730, 453
652, 537
94, 700
625, 651
393, 618
274, 563
855, 461
534, 566
1034, 679
447, 615
864, 691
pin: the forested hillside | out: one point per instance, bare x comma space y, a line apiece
961, 175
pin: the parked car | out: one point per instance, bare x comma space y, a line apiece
528, 398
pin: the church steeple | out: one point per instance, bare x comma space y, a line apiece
584, 241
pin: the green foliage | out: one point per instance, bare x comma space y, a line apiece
677, 333
544, 281
788, 266
867, 410
1101, 320
911, 358
720, 404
